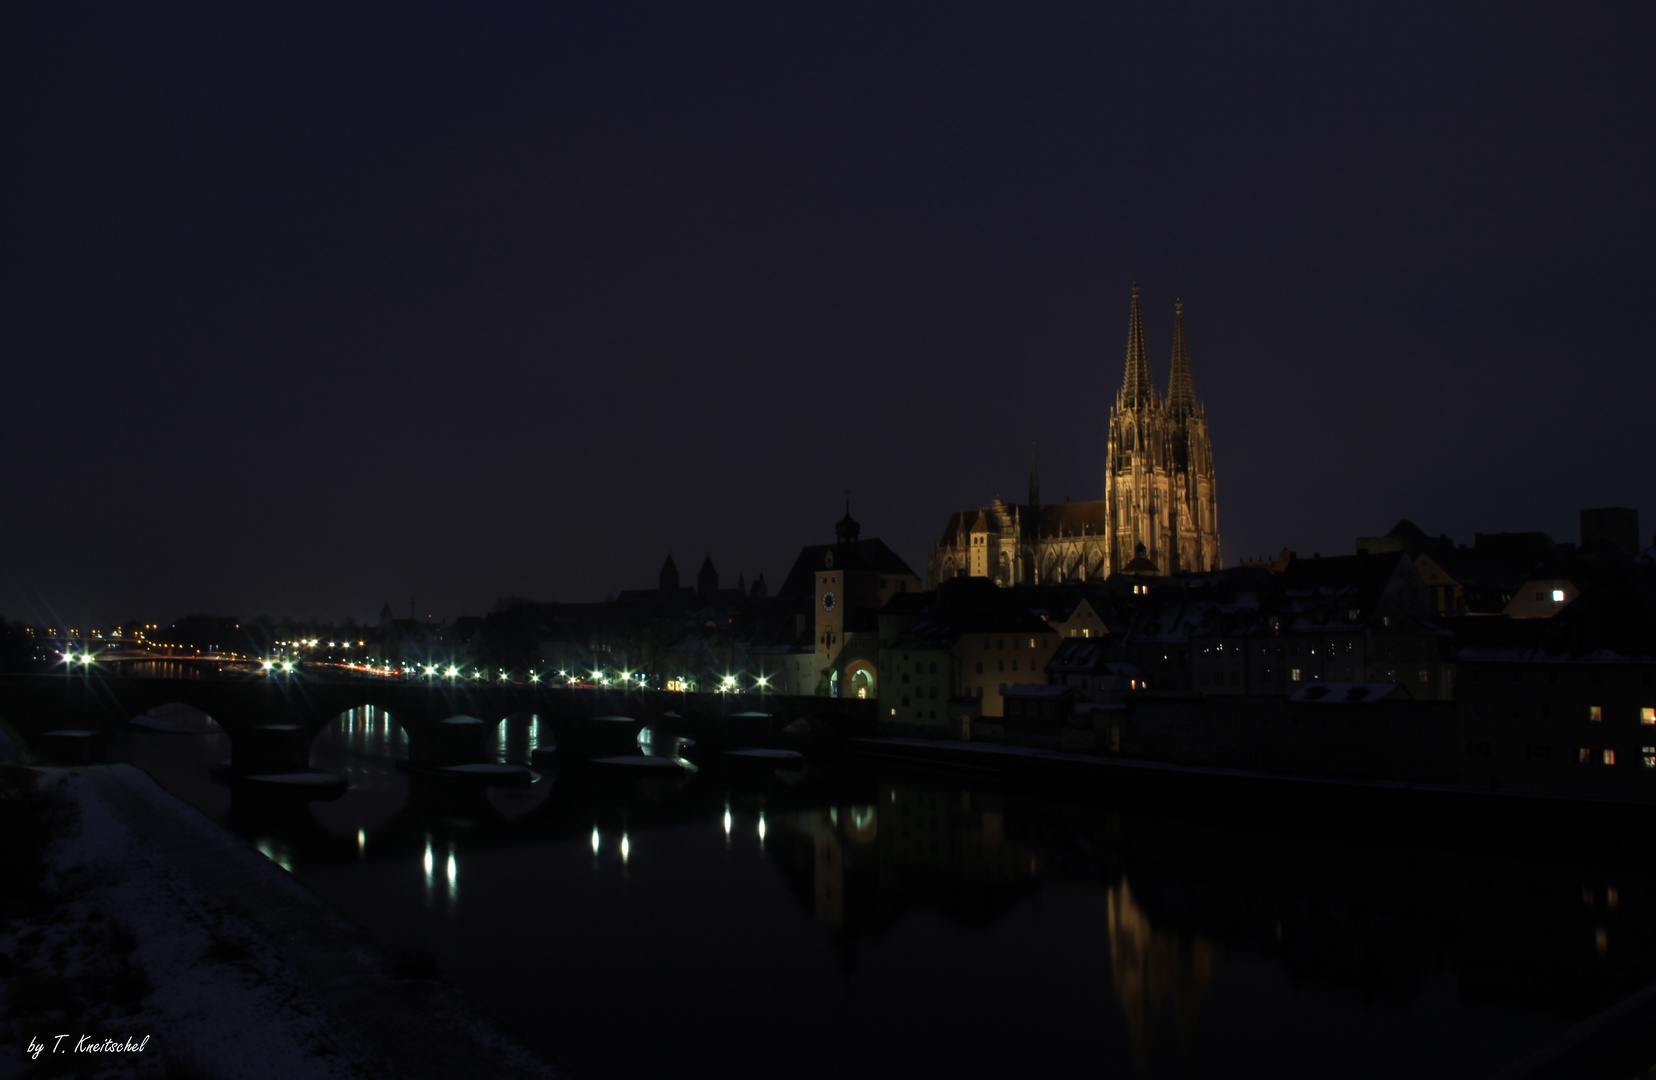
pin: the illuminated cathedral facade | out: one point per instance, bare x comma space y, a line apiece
1160, 511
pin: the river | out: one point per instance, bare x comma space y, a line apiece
853, 920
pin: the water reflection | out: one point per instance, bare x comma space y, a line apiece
366, 736
159, 669
1174, 933
362, 745
1157, 973
518, 736
667, 744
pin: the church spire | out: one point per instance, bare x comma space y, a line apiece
1181, 389
1137, 389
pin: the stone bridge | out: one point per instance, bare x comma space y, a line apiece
271, 720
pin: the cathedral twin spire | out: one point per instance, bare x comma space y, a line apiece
1138, 387
1159, 485
1181, 388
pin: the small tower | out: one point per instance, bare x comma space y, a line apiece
707, 580
668, 581
846, 530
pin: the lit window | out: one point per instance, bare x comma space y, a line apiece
1595, 712
1649, 756
1586, 756
1558, 596
1609, 757
1647, 715
1294, 675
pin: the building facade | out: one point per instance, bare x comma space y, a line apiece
1160, 511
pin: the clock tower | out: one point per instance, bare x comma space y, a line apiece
840, 589
833, 582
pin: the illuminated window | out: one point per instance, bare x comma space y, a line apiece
1649, 753
1558, 596
1609, 757
1647, 715
1294, 675
1595, 712
1586, 756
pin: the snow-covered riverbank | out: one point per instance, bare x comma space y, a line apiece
168, 927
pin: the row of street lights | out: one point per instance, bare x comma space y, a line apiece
727, 684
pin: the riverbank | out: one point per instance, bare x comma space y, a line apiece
159, 924
1507, 812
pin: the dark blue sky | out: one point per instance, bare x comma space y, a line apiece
314, 306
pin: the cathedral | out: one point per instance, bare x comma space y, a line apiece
1159, 514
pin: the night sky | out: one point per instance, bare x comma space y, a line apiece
310, 307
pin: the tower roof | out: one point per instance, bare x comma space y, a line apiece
668, 567
1181, 389
847, 529
707, 566
1137, 388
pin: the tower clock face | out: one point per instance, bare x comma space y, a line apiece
828, 601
